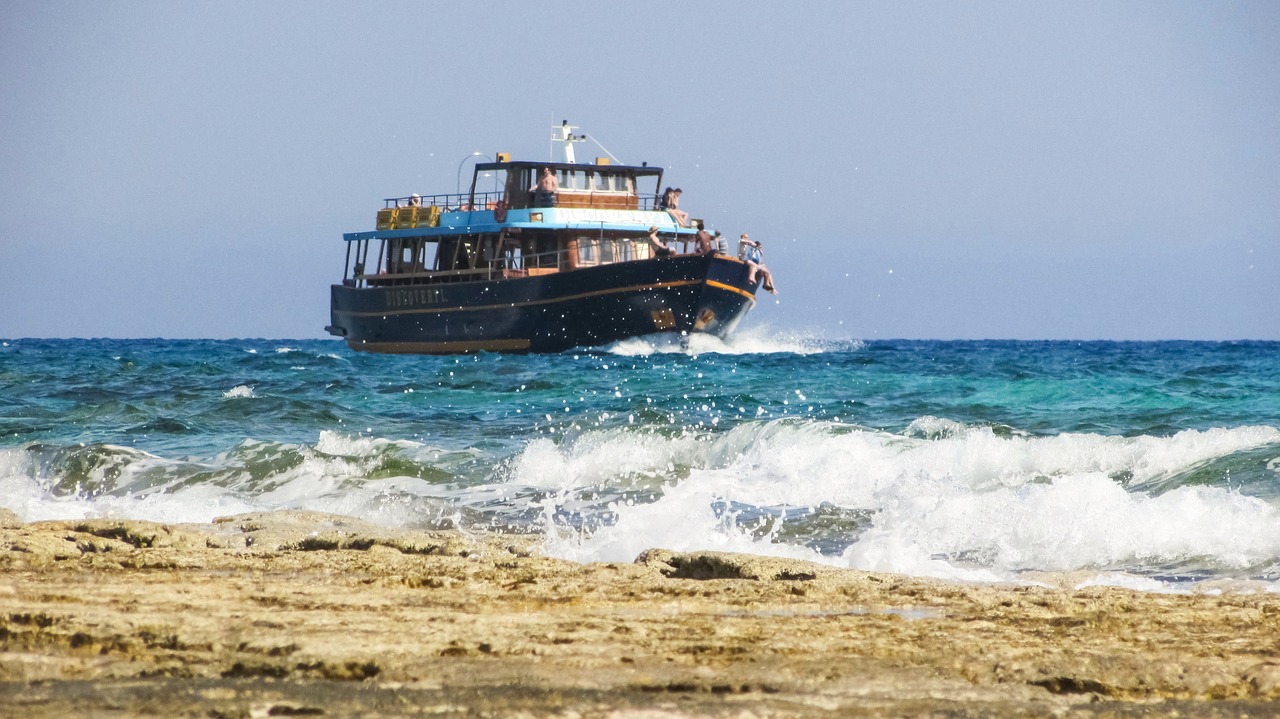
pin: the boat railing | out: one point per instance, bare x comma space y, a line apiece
516, 265
535, 263
448, 202
583, 253
384, 279
511, 265
488, 200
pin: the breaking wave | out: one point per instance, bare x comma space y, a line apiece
1152, 465
969, 504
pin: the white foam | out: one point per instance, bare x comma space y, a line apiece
754, 340
601, 458
344, 445
238, 391
330, 478
683, 519
942, 499
968, 505
1129, 581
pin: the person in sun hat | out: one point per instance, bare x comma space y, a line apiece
660, 248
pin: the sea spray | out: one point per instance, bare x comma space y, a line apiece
988, 461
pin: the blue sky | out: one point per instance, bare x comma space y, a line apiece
1083, 170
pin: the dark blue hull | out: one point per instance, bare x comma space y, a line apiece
548, 313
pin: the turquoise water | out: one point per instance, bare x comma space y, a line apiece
1148, 464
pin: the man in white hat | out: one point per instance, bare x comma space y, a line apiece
750, 251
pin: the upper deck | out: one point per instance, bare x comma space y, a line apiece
509, 225
502, 195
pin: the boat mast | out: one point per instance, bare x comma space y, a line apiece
563, 133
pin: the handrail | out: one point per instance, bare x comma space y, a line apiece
448, 202
552, 260
584, 252
486, 200
426, 275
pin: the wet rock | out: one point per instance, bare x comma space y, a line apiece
720, 565
9, 519
1264, 679
295, 612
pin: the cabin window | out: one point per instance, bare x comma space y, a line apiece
598, 251
573, 180
622, 251
602, 182
587, 252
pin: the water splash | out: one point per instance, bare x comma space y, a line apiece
754, 340
1129, 463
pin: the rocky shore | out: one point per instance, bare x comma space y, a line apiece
298, 614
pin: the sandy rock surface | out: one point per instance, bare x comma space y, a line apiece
302, 614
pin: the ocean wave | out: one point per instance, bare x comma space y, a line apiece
967, 503
941, 498
397, 482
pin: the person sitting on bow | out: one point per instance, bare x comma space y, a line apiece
750, 251
673, 207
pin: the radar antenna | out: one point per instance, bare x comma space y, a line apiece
563, 133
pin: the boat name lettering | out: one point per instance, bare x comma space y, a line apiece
619, 216
415, 296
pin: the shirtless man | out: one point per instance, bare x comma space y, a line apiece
545, 189
703, 240
749, 250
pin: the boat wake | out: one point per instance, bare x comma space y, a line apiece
759, 339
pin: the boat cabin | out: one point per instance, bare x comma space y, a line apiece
502, 228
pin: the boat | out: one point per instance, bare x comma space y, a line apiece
511, 269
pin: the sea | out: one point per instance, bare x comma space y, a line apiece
1148, 465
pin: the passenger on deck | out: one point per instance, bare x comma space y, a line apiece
722, 245
703, 239
665, 201
660, 248
673, 207
415, 200
544, 191
751, 252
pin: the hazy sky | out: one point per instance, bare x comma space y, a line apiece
938, 169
